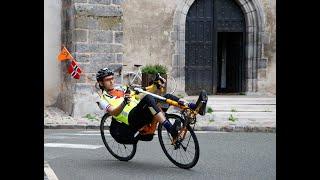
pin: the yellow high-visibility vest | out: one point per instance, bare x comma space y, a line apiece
115, 102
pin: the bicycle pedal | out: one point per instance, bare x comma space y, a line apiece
176, 145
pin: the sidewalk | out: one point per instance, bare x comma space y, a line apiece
230, 113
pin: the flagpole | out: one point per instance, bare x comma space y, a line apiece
73, 60
69, 53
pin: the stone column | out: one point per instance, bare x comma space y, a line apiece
92, 30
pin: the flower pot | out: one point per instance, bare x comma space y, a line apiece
147, 79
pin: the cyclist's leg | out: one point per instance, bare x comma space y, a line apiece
146, 111
175, 98
172, 97
121, 132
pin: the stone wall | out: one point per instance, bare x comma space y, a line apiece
147, 26
93, 32
267, 76
52, 68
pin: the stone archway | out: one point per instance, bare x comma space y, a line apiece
254, 19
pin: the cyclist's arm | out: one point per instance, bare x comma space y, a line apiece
114, 111
154, 87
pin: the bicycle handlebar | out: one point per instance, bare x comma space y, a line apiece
139, 90
158, 77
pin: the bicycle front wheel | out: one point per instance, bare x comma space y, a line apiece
123, 152
186, 154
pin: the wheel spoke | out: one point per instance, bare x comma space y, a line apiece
190, 152
184, 154
181, 157
120, 151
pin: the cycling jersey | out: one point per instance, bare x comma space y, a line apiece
114, 98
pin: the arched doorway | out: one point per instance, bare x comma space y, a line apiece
215, 47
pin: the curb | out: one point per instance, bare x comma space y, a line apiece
67, 126
199, 128
237, 129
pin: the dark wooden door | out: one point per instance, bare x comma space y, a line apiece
199, 47
205, 19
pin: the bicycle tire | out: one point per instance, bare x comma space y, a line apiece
171, 84
115, 153
170, 157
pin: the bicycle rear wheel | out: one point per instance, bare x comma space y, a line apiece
123, 152
171, 84
186, 154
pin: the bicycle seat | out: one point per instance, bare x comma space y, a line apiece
137, 65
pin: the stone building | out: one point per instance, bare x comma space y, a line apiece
223, 46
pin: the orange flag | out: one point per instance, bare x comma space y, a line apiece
64, 55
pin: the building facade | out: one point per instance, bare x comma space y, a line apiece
222, 46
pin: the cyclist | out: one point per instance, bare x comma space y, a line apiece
131, 113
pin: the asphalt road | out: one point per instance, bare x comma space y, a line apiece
222, 156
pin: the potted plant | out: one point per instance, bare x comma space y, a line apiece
149, 73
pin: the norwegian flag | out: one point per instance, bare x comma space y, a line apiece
74, 70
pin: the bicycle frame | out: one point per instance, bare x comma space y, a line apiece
169, 101
137, 74
191, 113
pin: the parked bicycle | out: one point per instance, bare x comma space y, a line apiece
182, 151
134, 78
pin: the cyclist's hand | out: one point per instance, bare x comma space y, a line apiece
127, 98
160, 83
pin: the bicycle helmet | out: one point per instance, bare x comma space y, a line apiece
103, 73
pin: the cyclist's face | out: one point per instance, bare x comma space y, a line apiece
108, 82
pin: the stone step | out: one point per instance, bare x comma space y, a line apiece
236, 100
251, 115
242, 101
234, 97
238, 121
242, 108
246, 114
242, 117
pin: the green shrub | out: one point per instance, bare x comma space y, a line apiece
231, 118
91, 117
180, 96
209, 110
154, 69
